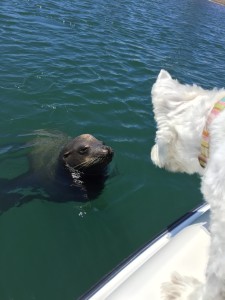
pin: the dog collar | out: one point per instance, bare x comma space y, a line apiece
218, 107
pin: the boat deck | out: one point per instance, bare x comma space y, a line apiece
183, 248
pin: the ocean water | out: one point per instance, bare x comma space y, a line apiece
88, 67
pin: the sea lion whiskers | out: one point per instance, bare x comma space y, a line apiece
92, 161
76, 169
89, 162
96, 160
82, 164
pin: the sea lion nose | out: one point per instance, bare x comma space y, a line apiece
108, 151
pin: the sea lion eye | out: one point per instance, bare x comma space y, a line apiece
83, 149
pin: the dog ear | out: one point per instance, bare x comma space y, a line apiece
163, 74
159, 154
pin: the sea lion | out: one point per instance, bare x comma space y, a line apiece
85, 156
84, 159
60, 170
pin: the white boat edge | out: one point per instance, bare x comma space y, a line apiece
182, 248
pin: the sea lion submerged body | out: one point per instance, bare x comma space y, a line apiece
60, 170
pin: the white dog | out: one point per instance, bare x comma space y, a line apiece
190, 138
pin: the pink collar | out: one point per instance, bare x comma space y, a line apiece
217, 108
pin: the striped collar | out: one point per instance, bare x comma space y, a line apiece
217, 108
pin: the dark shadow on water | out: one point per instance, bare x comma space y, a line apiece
27, 187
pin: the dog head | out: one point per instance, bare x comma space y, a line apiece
177, 142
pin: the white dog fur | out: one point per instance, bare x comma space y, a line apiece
181, 112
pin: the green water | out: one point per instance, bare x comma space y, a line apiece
88, 67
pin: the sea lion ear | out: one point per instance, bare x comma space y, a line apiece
66, 154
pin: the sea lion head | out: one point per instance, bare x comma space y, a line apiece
87, 155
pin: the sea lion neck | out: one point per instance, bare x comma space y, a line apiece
68, 175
